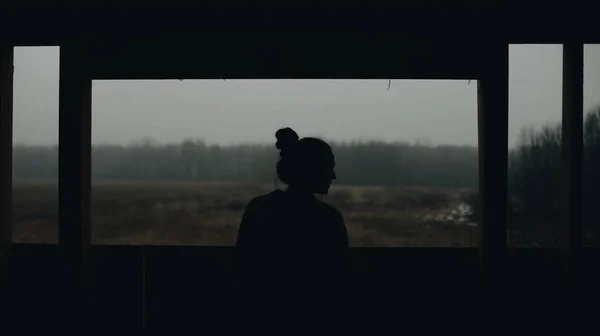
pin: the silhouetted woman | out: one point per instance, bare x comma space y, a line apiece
292, 246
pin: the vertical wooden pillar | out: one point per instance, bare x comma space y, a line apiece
492, 103
6, 137
74, 155
572, 160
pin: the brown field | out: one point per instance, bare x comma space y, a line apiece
183, 213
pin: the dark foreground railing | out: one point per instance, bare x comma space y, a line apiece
167, 288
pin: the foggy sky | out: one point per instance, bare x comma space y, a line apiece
235, 111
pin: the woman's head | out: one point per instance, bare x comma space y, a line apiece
306, 163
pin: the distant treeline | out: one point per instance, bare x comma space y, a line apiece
358, 163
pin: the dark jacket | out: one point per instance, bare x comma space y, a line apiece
292, 248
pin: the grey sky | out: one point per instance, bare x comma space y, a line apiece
251, 111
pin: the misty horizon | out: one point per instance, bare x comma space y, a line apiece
153, 142
436, 112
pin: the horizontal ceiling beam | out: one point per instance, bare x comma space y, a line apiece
500, 22
294, 54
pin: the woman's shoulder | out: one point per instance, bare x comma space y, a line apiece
264, 199
330, 210
277, 198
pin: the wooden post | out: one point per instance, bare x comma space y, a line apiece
492, 104
74, 155
572, 161
6, 137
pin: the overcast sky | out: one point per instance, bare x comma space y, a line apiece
251, 111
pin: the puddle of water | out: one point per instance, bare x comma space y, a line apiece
458, 215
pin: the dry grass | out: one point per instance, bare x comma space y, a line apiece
186, 213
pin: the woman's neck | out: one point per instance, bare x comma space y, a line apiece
299, 191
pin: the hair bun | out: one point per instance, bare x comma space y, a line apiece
285, 138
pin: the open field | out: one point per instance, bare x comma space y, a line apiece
184, 213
